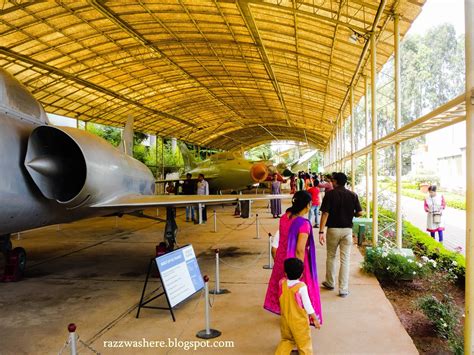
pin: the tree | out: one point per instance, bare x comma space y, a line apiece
262, 152
432, 73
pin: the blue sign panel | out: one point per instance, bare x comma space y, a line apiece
180, 274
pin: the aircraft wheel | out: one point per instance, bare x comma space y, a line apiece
20, 253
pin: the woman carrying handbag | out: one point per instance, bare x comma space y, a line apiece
434, 206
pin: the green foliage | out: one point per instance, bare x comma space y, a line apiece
444, 315
114, 136
410, 186
110, 134
262, 152
447, 260
452, 199
157, 156
432, 73
431, 179
387, 264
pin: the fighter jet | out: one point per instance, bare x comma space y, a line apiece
227, 171
51, 175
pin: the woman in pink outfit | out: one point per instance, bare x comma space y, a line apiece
296, 240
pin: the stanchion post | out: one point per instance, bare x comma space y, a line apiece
257, 224
200, 213
207, 333
215, 221
269, 266
72, 338
217, 289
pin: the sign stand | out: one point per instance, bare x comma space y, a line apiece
143, 304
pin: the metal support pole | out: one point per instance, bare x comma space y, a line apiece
338, 145
257, 225
156, 157
343, 141
215, 221
163, 158
200, 213
207, 333
351, 103
469, 298
373, 73
367, 157
72, 338
398, 151
217, 288
269, 266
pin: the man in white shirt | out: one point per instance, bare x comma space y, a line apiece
203, 189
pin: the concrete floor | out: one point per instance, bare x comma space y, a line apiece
92, 272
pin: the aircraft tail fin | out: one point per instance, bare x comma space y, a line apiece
188, 158
126, 145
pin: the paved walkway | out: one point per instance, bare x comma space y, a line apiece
454, 219
91, 273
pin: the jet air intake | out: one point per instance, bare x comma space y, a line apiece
259, 172
79, 169
55, 163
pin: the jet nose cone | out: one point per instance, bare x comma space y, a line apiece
259, 172
45, 165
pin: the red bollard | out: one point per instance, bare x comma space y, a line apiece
72, 338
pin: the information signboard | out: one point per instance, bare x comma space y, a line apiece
180, 274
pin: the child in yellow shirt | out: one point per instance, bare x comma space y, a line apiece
295, 307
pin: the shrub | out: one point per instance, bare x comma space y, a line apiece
444, 315
425, 178
447, 260
387, 264
410, 186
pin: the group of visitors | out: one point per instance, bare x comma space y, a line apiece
293, 290
191, 187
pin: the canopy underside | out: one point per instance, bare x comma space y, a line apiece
223, 74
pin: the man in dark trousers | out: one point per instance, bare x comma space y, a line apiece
339, 206
189, 188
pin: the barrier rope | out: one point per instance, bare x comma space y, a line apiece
259, 256
237, 229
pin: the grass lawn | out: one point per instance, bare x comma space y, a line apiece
452, 199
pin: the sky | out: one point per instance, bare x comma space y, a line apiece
436, 12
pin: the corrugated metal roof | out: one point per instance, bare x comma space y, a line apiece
223, 74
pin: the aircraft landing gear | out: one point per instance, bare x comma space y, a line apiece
15, 260
171, 228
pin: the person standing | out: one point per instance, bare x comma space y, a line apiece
434, 206
314, 191
189, 188
325, 185
275, 205
203, 189
296, 240
339, 207
293, 184
300, 181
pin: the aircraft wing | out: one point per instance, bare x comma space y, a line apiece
148, 201
208, 177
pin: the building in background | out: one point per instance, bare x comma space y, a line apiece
443, 154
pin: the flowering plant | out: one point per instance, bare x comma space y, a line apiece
388, 263
445, 317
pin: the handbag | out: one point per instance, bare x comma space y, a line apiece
436, 217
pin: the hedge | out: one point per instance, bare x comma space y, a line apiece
423, 244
